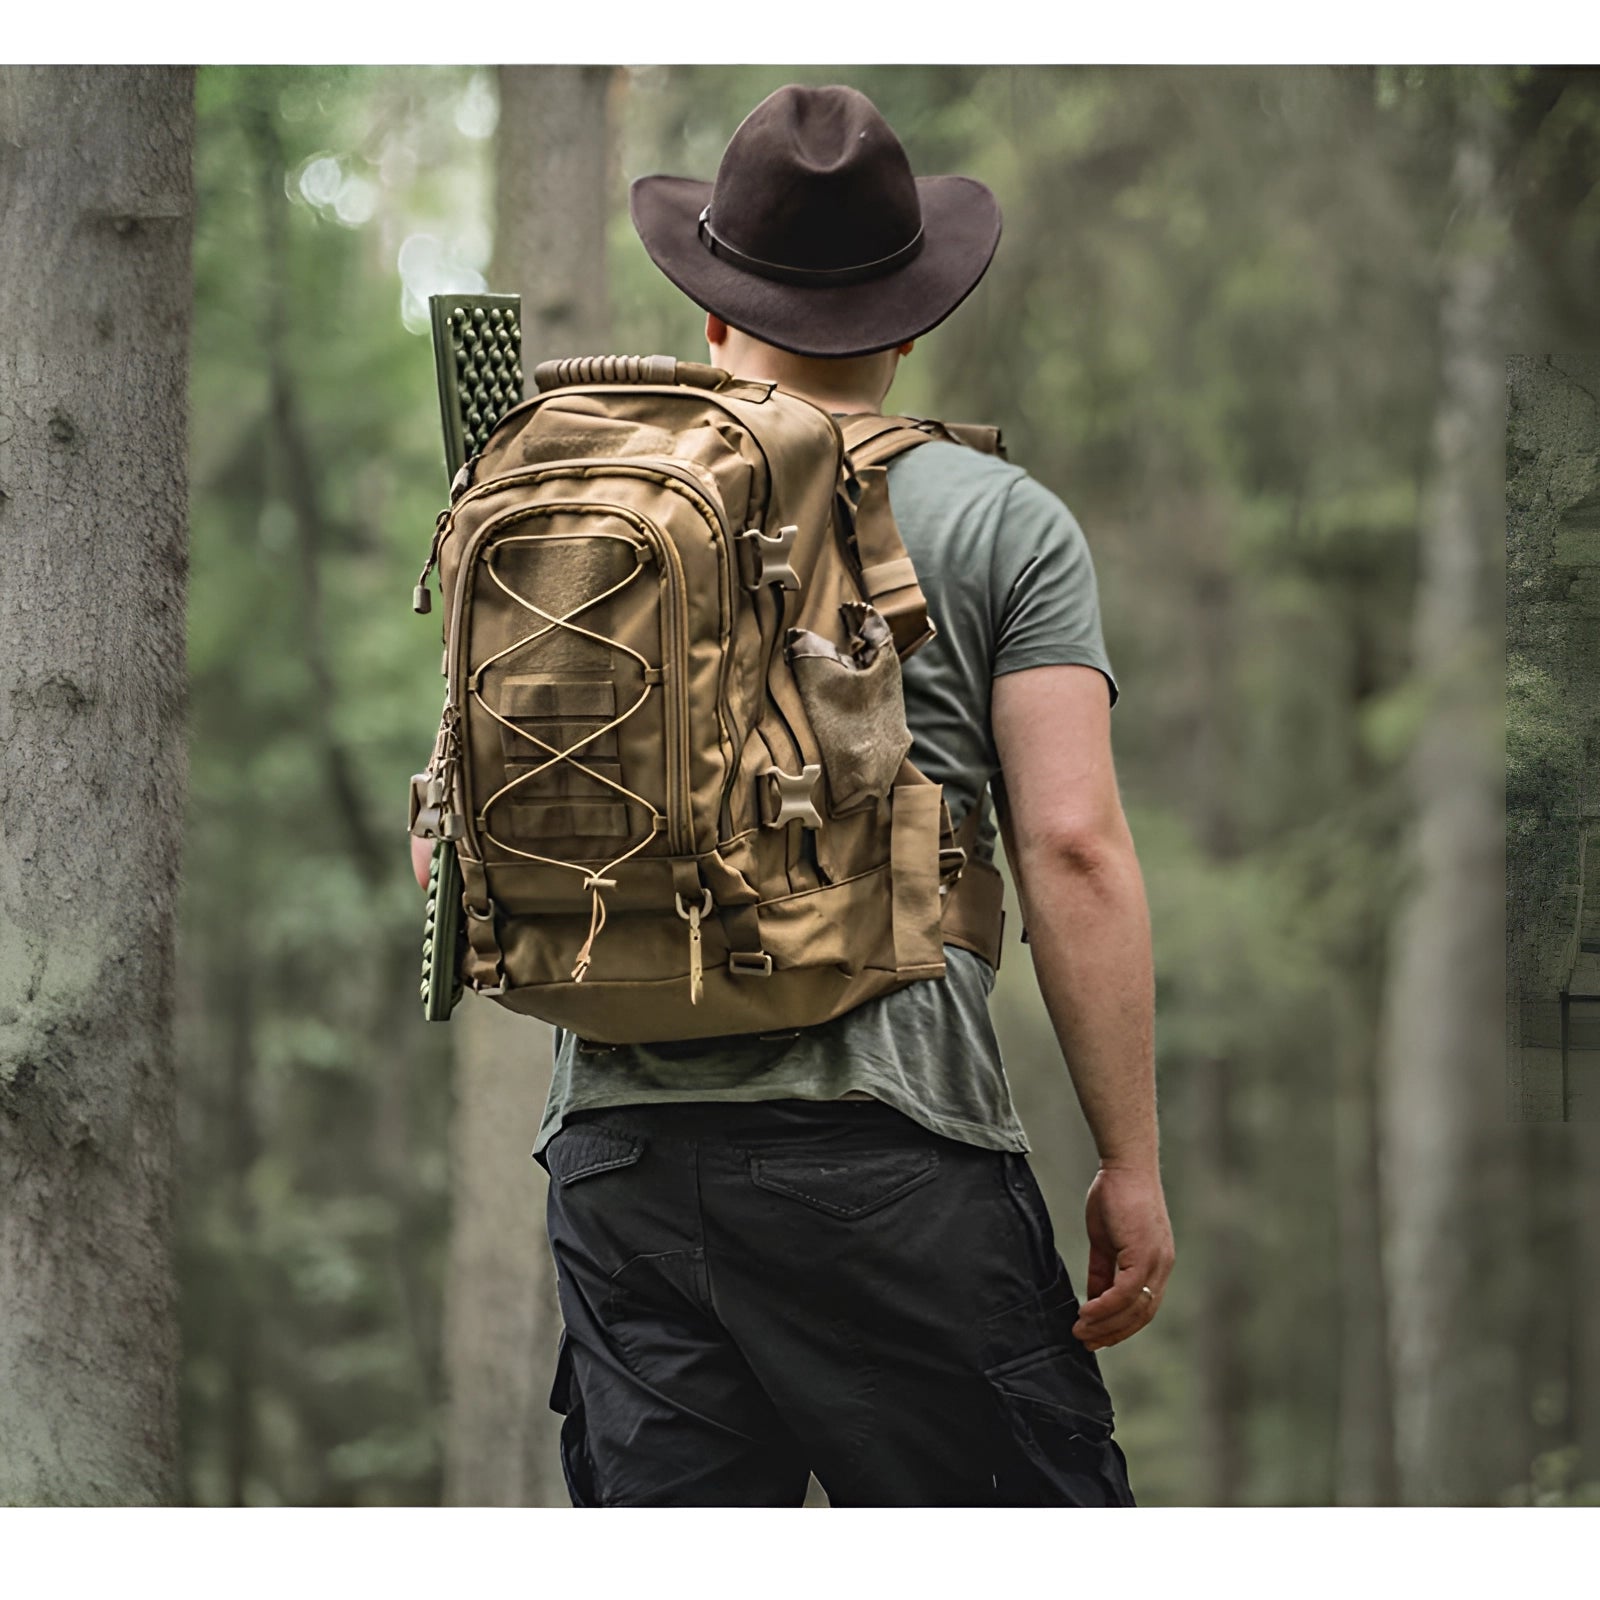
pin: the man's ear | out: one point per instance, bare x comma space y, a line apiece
906, 348
716, 329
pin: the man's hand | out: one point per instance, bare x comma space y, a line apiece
421, 859
1130, 1250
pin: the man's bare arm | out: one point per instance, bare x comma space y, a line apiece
1088, 927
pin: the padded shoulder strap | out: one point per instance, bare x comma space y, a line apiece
873, 441
887, 575
975, 436
888, 578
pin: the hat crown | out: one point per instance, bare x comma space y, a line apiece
815, 179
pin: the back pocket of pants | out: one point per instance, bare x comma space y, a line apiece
845, 1185
579, 1151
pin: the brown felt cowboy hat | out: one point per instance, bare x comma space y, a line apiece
815, 236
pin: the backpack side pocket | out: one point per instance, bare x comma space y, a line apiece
855, 703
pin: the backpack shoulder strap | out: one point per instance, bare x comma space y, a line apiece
888, 579
875, 441
976, 436
887, 575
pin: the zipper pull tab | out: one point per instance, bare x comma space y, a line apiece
421, 600
696, 944
696, 963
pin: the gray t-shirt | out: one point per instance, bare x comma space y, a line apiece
1009, 581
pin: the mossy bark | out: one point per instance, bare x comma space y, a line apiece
96, 189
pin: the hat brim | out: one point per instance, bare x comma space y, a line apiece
960, 229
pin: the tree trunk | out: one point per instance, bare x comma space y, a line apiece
551, 197
1225, 1387
551, 193
97, 192
501, 1318
242, 1141
1444, 1184
1364, 1465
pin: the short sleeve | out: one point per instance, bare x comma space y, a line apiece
1044, 587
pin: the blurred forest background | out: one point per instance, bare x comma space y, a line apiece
1251, 325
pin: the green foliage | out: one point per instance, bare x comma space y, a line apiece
1544, 746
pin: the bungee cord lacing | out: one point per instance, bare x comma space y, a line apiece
593, 880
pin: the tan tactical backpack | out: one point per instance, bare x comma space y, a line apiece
674, 756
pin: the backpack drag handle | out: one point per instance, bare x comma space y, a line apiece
626, 369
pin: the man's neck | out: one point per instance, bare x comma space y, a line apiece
840, 399
841, 402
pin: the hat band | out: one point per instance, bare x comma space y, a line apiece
816, 277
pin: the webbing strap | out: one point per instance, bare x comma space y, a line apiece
741, 927
480, 919
889, 575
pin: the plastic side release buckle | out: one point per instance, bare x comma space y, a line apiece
428, 818
786, 798
952, 861
765, 558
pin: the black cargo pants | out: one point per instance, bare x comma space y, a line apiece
753, 1293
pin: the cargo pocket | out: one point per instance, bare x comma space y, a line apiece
855, 704
1054, 1407
566, 1400
845, 1186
